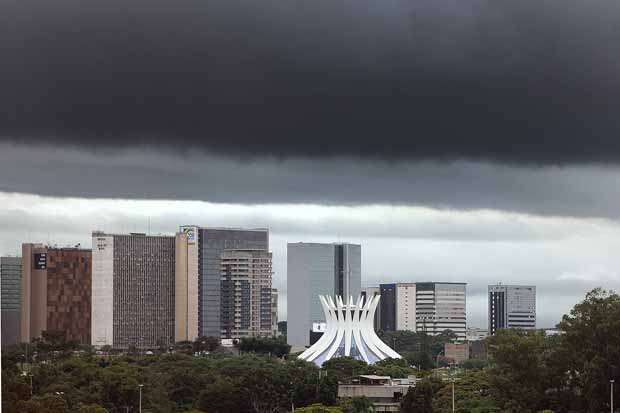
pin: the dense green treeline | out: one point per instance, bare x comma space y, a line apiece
527, 372
530, 372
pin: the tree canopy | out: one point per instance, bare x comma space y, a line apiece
527, 371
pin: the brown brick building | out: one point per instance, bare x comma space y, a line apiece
56, 292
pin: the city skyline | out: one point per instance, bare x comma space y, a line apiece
464, 141
477, 303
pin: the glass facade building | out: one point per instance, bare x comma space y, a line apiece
440, 307
10, 275
512, 306
212, 242
388, 307
315, 269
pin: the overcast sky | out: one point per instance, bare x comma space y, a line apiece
463, 140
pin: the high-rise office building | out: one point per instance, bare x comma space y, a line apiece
314, 269
56, 292
398, 301
246, 301
368, 292
133, 301
388, 307
200, 256
274, 311
512, 306
10, 275
186, 304
441, 306
405, 306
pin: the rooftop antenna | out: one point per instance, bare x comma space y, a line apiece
148, 231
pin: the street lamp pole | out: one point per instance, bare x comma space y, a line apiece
140, 405
612, 395
453, 395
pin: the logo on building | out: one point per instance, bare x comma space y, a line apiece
191, 234
319, 327
40, 261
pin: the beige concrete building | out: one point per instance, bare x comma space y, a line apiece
134, 290
405, 306
186, 286
384, 392
246, 294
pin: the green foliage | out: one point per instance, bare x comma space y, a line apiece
275, 346
360, 404
569, 372
418, 348
421, 360
591, 349
221, 396
202, 344
395, 368
527, 372
344, 368
419, 399
474, 364
472, 394
402, 341
520, 356
43, 404
92, 408
318, 408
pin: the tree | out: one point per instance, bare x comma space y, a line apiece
185, 347
422, 360
344, 367
318, 408
275, 346
438, 342
591, 349
360, 404
328, 389
43, 404
520, 373
395, 368
222, 396
474, 364
92, 408
472, 394
401, 340
419, 399
206, 343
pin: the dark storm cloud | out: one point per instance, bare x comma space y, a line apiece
511, 81
578, 191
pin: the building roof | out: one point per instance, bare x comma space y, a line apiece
373, 377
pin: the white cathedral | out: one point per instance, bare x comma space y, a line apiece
349, 332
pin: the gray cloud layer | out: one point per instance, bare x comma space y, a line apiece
512, 81
585, 191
